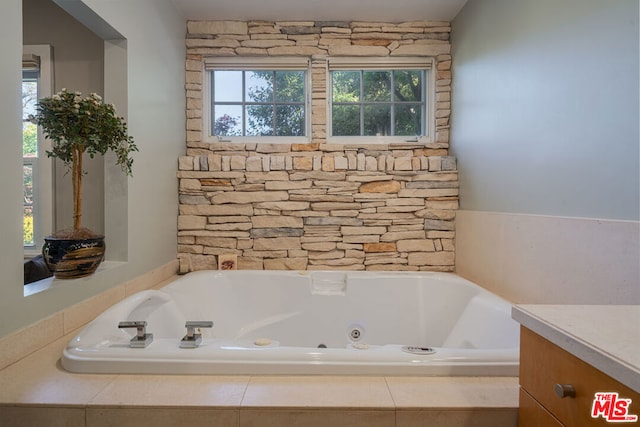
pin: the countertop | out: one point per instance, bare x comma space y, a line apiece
605, 336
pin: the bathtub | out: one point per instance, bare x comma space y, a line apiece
308, 322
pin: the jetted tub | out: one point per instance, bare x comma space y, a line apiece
309, 322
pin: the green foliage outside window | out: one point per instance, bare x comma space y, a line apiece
28, 230
29, 150
364, 103
378, 103
259, 103
27, 188
29, 140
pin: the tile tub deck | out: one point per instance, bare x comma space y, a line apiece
37, 391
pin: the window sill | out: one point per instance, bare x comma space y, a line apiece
31, 254
379, 140
52, 282
259, 140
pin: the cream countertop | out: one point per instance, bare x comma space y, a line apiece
605, 336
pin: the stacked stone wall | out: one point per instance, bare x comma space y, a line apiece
319, 205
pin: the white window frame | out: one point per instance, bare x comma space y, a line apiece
251, 64
43, 178
384, 64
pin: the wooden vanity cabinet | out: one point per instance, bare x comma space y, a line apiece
532, 414
543, 365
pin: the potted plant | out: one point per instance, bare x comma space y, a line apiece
79, 125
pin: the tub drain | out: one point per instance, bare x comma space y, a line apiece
413, 349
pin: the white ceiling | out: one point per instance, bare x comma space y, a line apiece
320, 10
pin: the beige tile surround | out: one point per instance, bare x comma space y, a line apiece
542, 259
36, 391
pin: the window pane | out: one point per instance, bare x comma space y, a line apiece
227, 86
378, 103
408, 120
227, 120
259, 86
346, 120
27, 186
29, 97
346, 86
259, 120
29, 130
29, 140
290, 86
262, 103
377, 86
289, 120
377, 120
407, 85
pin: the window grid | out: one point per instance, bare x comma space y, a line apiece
31, 187
37, 167
246, 104
393, 103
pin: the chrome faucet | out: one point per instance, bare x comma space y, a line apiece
142, 338
193, 338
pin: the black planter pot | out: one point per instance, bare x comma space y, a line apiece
73, 258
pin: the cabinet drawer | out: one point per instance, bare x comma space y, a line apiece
543, 364
532, 414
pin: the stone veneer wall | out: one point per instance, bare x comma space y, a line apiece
318, 205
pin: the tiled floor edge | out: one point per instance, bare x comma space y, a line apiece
390, 417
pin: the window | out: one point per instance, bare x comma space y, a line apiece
386, 98
29, 153
380, 103
37, 167
251, 99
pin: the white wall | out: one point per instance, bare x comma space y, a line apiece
545, 126
156, 109
10, 161
154, 77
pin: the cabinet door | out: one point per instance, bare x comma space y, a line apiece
543, 365
532, 414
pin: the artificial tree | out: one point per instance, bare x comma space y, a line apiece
77, 126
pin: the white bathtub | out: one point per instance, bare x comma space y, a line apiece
311, 322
